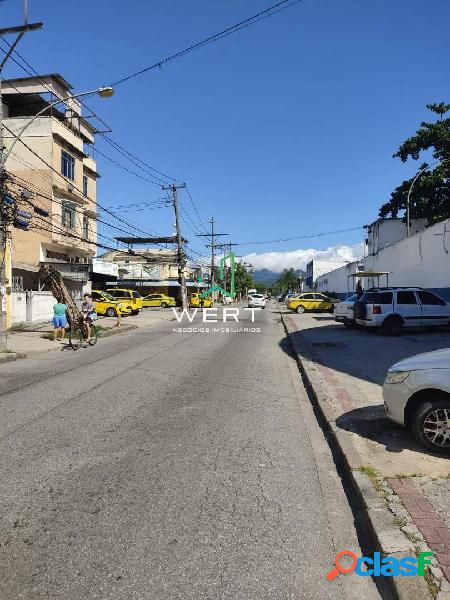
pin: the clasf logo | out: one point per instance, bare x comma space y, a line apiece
389, 566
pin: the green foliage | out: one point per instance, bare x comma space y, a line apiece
288, 280
243, 279
430, 195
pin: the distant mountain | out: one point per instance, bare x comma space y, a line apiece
268, 278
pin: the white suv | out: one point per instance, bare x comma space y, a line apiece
256, 301
391, 309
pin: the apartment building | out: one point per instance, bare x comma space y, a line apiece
51, 166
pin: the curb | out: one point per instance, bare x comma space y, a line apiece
387, 538
6, 357
116, 330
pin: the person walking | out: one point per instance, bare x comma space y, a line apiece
59, 320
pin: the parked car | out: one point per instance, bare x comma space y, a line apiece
257, 301
391, 309
105, 304
343, 311
416, 394
194, 301
309, 301
158, 300
132, 299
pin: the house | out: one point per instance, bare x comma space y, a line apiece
52, 170
384, 232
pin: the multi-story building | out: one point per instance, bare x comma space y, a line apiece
152, 271
50, 164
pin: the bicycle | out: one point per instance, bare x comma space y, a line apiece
78, 335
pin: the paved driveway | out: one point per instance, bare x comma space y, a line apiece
353, 365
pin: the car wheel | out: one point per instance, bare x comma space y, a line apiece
134, 312
349, 324
431, 424
111, 312
392, 326
300, 309
163, 304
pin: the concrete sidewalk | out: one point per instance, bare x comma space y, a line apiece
403, 488
31, 339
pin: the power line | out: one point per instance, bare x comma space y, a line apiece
300, 237
264, 14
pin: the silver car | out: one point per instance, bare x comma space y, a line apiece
343, 311
416, 394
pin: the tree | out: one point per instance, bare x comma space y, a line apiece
243, 279
430, 195
288, 280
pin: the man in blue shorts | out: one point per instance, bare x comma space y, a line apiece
59, 320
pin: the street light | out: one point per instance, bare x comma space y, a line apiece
103, 92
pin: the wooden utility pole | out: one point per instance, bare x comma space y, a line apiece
212, 236
181, 257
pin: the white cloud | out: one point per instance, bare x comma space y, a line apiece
277, 261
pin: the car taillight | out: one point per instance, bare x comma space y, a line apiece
376, 310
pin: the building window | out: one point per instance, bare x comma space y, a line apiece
85, 227
67, 165
68, 215
85, 186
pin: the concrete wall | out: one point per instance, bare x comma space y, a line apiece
19, 307
384, 232
32, 307
421, 260
337, 280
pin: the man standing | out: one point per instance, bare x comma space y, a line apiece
88, 312
59, 320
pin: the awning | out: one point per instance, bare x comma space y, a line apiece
369, 273
139, 283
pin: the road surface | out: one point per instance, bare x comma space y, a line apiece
169, 465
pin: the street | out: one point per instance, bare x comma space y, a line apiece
164, 465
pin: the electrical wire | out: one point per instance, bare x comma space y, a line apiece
264, 14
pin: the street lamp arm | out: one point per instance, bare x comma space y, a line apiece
103, 92
419, 173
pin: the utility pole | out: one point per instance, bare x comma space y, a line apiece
213, 235
226, 246
5, 244
181, 261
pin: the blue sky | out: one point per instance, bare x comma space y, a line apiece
284, 129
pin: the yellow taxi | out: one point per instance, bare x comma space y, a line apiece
131, 299
195, 301
311, 301
158, 300
106, 305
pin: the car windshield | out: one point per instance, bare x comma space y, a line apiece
108, 296
136, 295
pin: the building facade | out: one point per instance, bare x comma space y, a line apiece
50, 168
317, 267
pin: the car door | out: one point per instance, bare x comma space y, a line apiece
435, 310
322, 302
308, 301
152, 300
408, 307
99, 303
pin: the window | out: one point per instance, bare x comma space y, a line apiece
429, 298
136, 295
85, 227
377, 297
85, 186
307, 297
406, 298
96, 296
67, 165
68, 214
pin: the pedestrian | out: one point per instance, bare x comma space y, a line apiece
89, 314
59, 320
359, 290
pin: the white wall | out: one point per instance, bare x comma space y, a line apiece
19, 307
421, 260
338, 280
32, 307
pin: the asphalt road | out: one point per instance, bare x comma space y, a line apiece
164, 465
